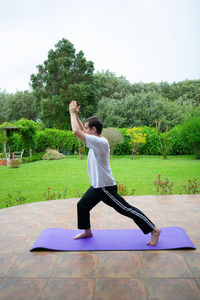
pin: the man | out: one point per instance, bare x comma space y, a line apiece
103, 186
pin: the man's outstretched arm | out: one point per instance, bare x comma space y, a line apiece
77, 126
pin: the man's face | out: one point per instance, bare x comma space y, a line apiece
89, 130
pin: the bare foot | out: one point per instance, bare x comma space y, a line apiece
86, 233
154, 237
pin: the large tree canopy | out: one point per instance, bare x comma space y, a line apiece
17, 106
64, 76
108, 85
122, 104
142, 109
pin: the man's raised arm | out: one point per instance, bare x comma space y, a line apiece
77, 126
78, 120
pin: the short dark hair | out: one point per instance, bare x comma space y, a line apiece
95, 122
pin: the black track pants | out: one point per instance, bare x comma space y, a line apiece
110, 197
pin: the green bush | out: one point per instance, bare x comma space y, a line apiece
125, 147
33, 158
152, 145
16, 143
179, 145
61, 140
191, 133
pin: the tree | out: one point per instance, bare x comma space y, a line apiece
141, 88
20, 105
111, 112
108, 85
64, 76
2, 107
140, 110
189, 89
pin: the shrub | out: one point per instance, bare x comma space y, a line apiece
184, 139
163, 186
137, 139
113, 136
52, 154
10, 201
178, 144
62, 140
50, 195
16, 143
2, 155
125, 147
122, 189
152, 145
192, 186
33, 158
191, 133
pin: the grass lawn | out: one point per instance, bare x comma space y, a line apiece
33, 179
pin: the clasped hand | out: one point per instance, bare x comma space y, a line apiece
73, 107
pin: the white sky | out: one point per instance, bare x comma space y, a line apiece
143, 40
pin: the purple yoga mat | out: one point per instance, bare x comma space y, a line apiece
111, 239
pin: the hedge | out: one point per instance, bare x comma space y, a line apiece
64, 141
61, 140
179, 145
151, 147
125, 147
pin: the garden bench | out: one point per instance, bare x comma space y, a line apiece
15, 155
18, 154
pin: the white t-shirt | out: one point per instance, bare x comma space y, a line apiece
99, 170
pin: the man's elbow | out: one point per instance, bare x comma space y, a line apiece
76, 132
79, 134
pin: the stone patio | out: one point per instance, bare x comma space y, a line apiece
122, 275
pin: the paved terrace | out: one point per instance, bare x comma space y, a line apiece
122, 275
